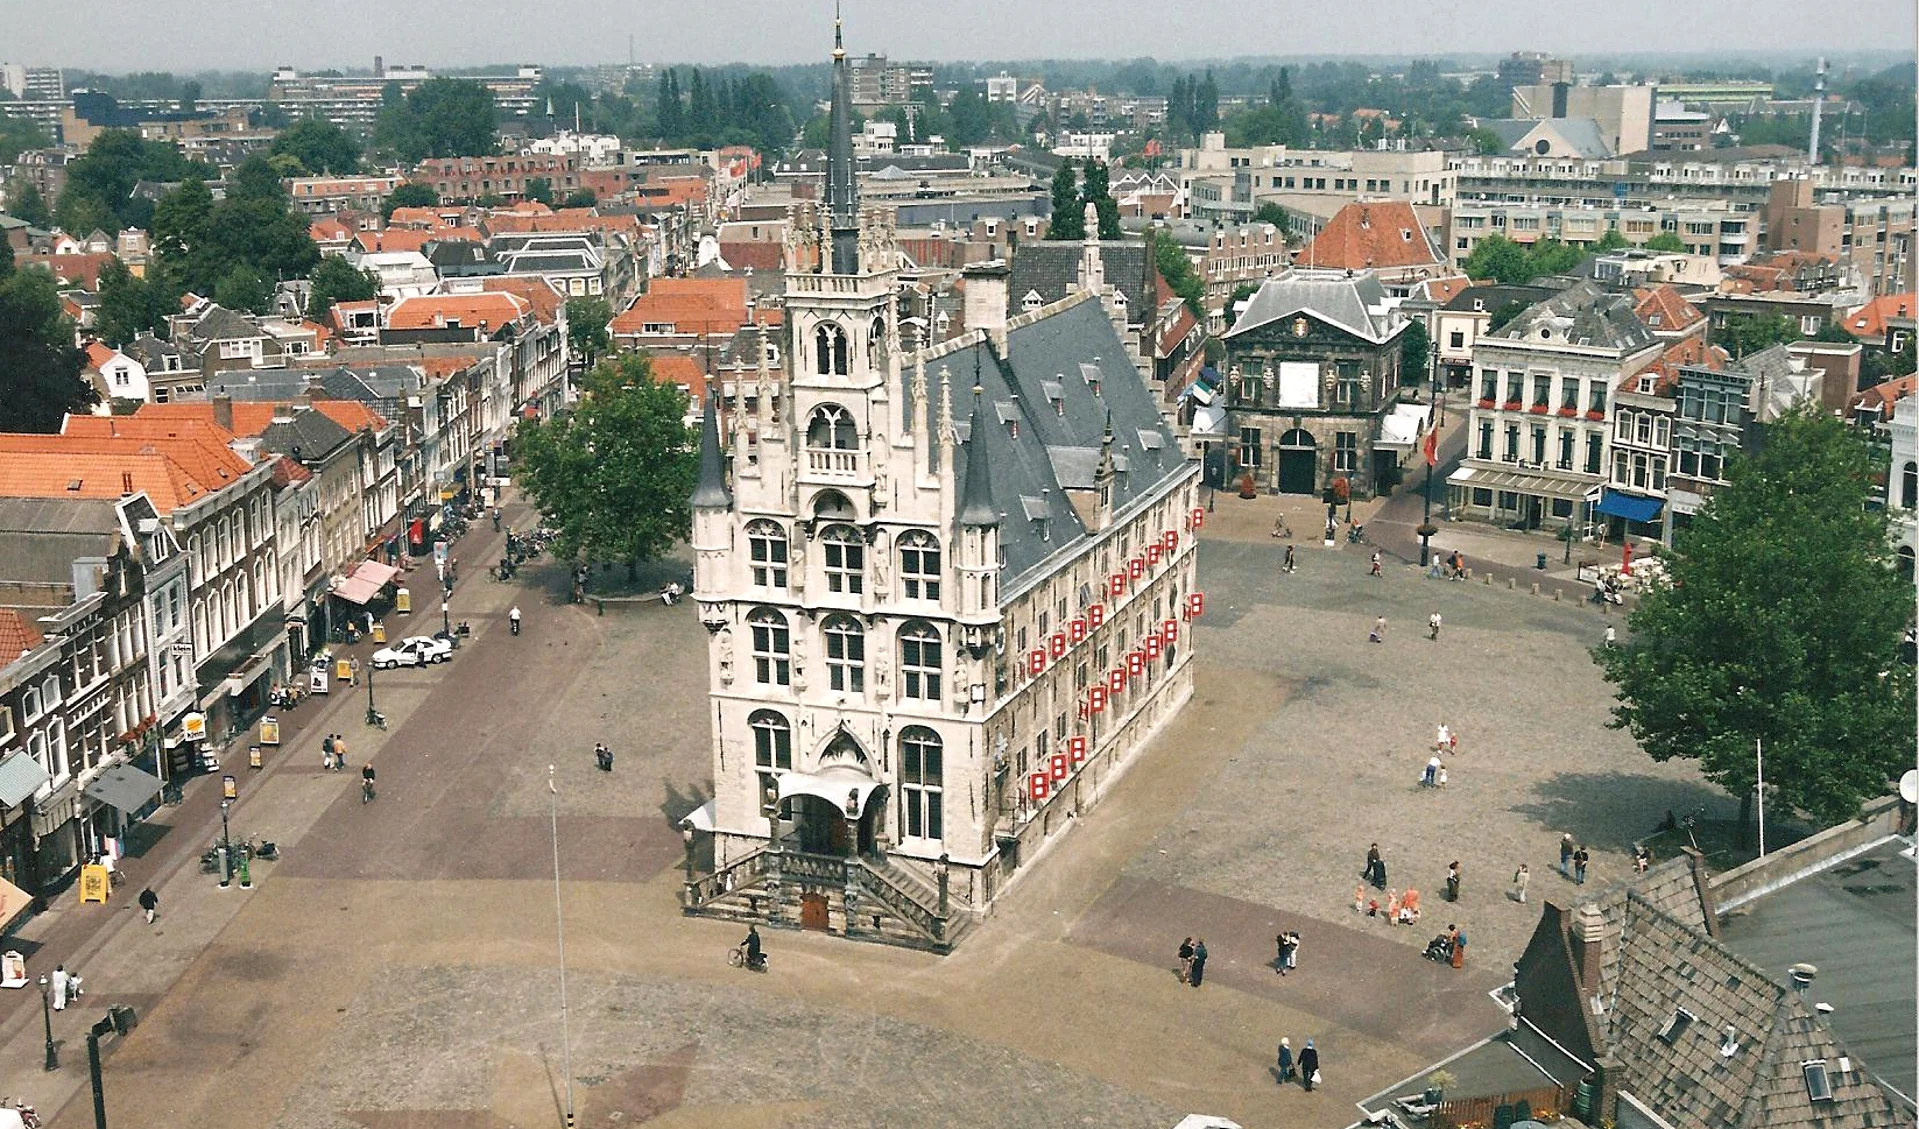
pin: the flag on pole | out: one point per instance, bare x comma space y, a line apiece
1432, 446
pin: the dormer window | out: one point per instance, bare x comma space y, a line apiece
1818, 1083
1676, 1026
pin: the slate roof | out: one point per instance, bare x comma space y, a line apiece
308, 436
222, 324
1658, 954
1583, 314
1067, 346
40, 538
1052, 270
1496, 296
1354, 302
1583, 134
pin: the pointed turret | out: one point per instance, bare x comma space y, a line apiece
710, 492
976, 493
842, 189
1104, 477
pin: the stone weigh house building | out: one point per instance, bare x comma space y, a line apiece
949, 592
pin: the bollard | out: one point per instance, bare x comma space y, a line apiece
1557, 593
1512, 584
1489, 579
1535, 587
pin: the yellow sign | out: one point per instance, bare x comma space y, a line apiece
379, 633
94, 884
193, 727
403, 602
343, 669
229, 788
269, 731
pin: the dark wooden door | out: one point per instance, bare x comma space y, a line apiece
813, 911
1296, 471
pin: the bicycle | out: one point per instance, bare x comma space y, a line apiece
366, 791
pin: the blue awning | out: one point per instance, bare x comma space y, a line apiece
1630, 506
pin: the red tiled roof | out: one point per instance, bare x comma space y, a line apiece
286, 472
1379, 234
427, 312
18, 635
251, 417
539, 294
1689, 351
393, 239
691, 305
99, 354
1870, 320
75, 270
1443, 290
1883, 396
172, 471
1665, 310
762, 255
145, 424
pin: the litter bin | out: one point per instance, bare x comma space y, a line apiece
1540, 562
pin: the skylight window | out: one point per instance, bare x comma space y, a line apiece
1818, 1085
1676, 1026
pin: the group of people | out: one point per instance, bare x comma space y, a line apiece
1192, 961
1399, 909
1574, 858
1304, 1069
1449, 947
603, 756
333, 752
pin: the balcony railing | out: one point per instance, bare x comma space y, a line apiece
832, 462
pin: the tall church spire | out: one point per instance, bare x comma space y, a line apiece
842, 191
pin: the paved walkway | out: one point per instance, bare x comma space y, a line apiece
397, 969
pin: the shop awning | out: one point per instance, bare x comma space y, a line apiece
834, 785
1403, 426
20, 776
701, 818
376, 572
239, 680
1209, 423
1523, 482
123, 786
1632, 507
13, 902
365, 583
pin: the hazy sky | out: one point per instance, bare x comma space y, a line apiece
184, 35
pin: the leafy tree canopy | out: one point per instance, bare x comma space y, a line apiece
25, 202
1069, 215
39, 366
242, 288
336, 280
17, 135
408, 196
586, 328
1177, 268
99, 191
1511, 264
131, 306
441, 117
320, 146
614, 473
1782, 623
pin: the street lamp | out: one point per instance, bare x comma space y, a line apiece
371, 714
226, 847
46, 1012
446, 627
559, 919
1426, 526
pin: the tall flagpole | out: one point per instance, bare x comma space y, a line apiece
1759, 757
559, 918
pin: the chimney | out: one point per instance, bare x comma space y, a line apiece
1802, 975
126, 483
986, 296
1589, 936
223, 410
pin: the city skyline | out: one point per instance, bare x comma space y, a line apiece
225, 35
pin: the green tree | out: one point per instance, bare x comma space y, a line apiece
1782, 622
1611, 241
131, 306
408, 196
441, 117
1550, 256
1742, 336
1097, 190
1498, 258
320, 146
17, 135
1666, 241
1504, 315
39, 366
586, 322
613, 474
24, 202
182, 233
1485, 142
1177, 269
580, 198
242, 288
1269, 212
1415, 353
336, 280
539, 189
99, 190
1069, 214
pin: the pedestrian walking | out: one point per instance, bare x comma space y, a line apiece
1459, 946
496, 519
1379, 630
326, 752
61, 983
1285, 1065
1432, 627
149, 903
1375, 868
1566, 849
1309, 1066
1430, 777
1291, 563
1198, 968
1520, 878
353, 672
1452, 881
1292, 951
1375, 570
603, 756
1186, 961
1580, 859
339, 752
1457, 565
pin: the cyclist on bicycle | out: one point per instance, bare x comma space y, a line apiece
366, 782
752, 946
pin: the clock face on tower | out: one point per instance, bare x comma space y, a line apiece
1299, 327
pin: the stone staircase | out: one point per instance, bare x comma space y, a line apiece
867, 898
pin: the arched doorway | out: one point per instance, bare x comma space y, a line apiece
1905, 559
1298, 462
837, 807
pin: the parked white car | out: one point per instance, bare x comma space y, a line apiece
417, 651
